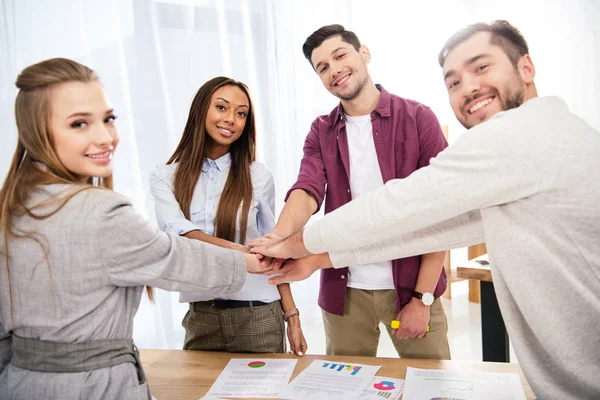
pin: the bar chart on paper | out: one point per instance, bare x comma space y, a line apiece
329, 380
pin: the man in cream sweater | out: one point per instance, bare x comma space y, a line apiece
524, 179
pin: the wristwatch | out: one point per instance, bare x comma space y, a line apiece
427, 298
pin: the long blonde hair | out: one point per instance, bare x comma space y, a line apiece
34, 145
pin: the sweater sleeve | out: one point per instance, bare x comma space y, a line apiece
136, 253
488, 166
5, 348
461, 231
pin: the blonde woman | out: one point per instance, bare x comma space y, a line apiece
75, 257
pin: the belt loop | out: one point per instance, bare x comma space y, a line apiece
251, 306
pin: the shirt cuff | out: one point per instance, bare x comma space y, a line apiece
309, 189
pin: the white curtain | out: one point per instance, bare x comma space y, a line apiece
152, 56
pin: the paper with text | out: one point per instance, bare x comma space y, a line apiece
382, 388
438, 384
330, 380
249, 378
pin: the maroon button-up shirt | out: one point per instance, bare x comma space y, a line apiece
407, 135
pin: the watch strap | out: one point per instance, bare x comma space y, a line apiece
418, 295
289, 313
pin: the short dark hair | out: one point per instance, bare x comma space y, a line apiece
325, 32
503, 34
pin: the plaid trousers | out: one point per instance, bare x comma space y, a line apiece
256, 329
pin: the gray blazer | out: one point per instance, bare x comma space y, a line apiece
99, 255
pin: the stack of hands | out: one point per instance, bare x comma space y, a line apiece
288, 260
284, 257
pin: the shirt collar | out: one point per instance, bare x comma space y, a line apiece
221, 163
383, 106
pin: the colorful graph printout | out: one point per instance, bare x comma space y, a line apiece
243, 378
330, 380
382, 388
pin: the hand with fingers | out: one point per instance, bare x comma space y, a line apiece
256, 266
291, 247
295, 336
414, 320
300, 269
270, 239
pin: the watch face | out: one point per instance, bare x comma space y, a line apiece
427, 299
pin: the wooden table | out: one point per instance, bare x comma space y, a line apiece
180, 374
494, 337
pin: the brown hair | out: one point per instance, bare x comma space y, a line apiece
193, 149
325, 32
503, 34
34, 145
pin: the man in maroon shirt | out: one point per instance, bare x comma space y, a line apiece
371, 137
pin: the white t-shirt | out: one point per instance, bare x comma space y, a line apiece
525, 182
365, 176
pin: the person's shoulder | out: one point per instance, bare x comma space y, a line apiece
544, 105
409, 106
100, 198
260, 171
81, 203
164, 172
327, 121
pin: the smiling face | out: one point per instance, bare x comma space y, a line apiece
226, 118
342, 69
481, 80
82, 128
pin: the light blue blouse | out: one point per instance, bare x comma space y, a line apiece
203, 211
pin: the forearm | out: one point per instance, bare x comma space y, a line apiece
287, 300
429, 272
296, 213
462, 231
199, 235
477, 172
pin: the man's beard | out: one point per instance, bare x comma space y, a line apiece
515, 99
514, 96
354, 94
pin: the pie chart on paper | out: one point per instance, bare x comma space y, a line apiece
257, 364
384, 385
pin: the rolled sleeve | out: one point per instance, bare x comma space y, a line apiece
312, 177
169, 216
